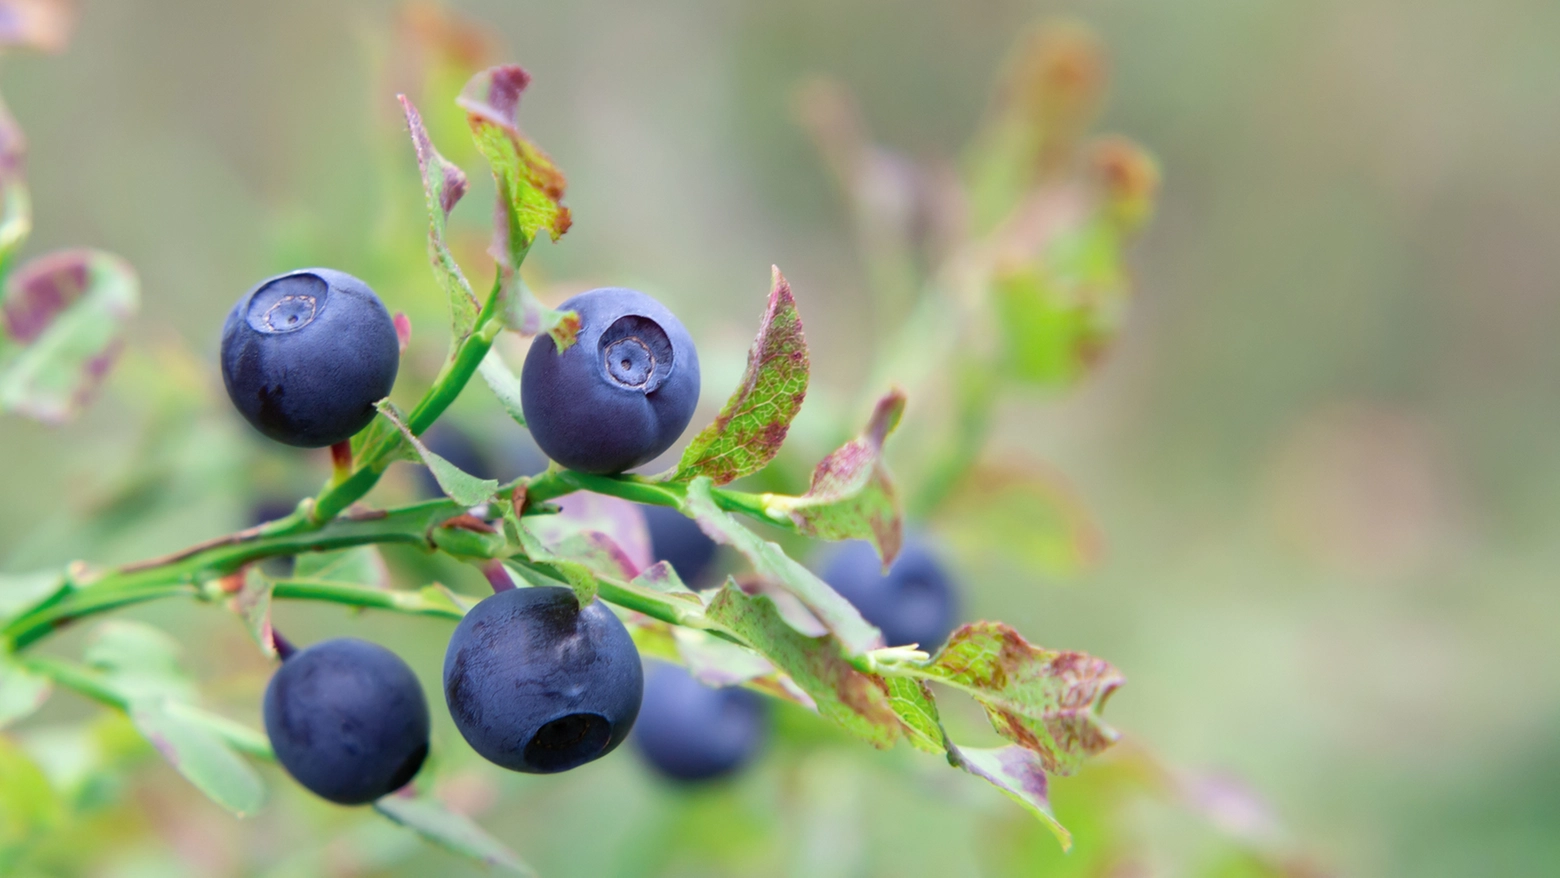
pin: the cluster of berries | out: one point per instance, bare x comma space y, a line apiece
533, 681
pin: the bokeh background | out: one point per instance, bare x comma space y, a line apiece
1320, 458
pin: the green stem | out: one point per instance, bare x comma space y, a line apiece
409, 602
376, 456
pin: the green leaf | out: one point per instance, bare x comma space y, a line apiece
25, 592
580, 577
138, 660
443, 186
912, 701
66, 311
749, 430
852, 495
1020, 774
359, 565
607, 534
1060, 311
772, 563
716, 662
430, 819
21, 691
530, 195
458, 485
504, 383
1044, 700
252, 603
200, 754
856, 701
28, 805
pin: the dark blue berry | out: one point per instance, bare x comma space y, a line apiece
916, 602
688, 731
620, 395
306, 355
348, 720
536, 684
518, 456
676, 539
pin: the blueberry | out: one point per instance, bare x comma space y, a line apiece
619, 396
688, 731
348, 720
305, 356
916, 602
536, 684
456, 446
677, 539
518, 456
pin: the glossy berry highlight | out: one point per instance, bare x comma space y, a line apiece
915, 602
688, 731
676, 539
539, 685
621, 394
348, 720
305, 356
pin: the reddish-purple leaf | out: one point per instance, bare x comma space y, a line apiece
749, 430
67, 310
852, 495
443, 186
1020, 774
530, 196
1044, 700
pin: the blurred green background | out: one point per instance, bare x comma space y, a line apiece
1321, 453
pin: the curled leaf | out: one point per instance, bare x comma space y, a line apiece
252, 603
777, 568
434, 821
443, 186
67, 310
750, 428
530, 195
852, 495
1020, 774
460, 486
1044, 700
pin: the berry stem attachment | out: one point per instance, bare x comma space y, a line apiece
497, 576
284, 647
341, 461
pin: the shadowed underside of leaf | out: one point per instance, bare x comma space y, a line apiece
200, 755
749, 430
857, 702
1018, 773
852, 495
67, 310
460, 486
429, 818
1043, 700
21, 691
443, 186
776, 567
530, 195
